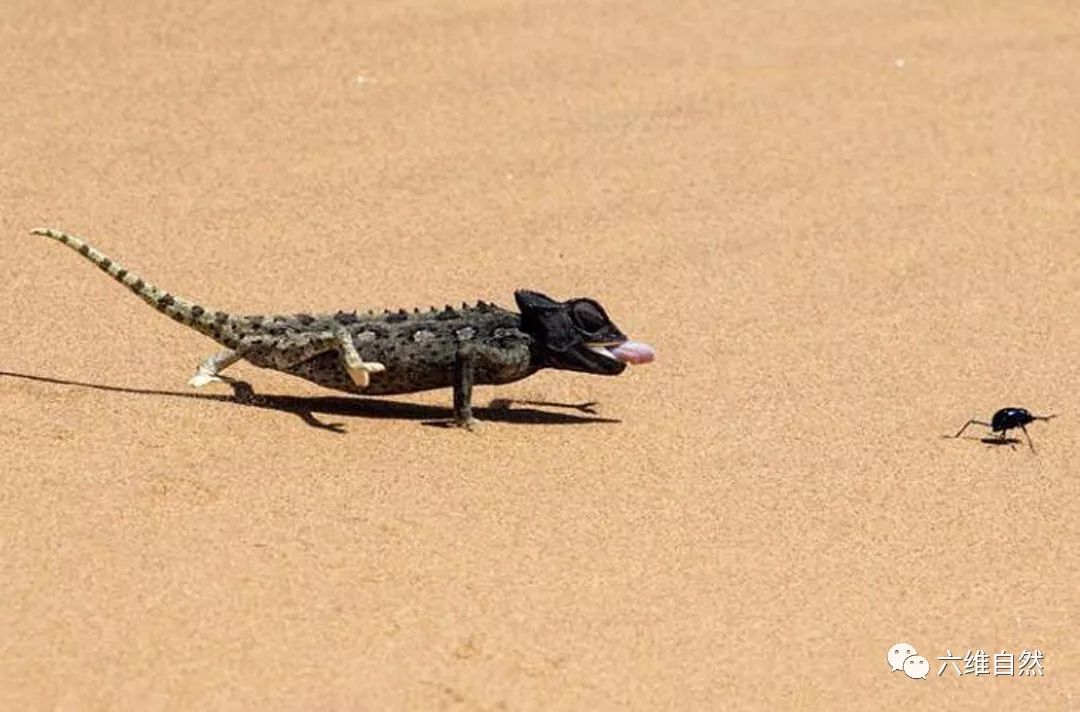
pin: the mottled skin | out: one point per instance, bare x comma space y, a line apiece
393, 352
420, 349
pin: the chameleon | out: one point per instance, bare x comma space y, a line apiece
396, 352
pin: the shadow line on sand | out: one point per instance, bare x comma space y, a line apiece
992, 440
305, 408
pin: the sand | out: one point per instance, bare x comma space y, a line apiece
846, 227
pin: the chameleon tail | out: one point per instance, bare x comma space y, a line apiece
220, 326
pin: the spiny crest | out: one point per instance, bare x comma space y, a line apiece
445, 313
344, 317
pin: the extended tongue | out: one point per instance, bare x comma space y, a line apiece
635, 352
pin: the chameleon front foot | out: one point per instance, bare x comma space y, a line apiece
470, 424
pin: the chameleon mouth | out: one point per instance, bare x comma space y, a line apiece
632, 352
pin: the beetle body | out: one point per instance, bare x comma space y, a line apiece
1009, 418
1005, 420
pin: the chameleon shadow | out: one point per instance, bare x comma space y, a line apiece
305, 408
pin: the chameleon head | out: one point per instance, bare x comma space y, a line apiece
577, 335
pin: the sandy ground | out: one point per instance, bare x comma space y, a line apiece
847, 227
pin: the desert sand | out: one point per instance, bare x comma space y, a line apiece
846, 228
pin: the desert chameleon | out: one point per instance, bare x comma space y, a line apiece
397, 352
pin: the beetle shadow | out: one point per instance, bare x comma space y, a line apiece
500, 410
992, 440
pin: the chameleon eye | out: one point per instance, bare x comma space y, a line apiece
588, 316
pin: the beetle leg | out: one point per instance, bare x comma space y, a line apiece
970, 422
1028, 438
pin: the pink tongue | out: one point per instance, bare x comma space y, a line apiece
635, 352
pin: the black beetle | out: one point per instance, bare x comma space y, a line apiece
1005, 420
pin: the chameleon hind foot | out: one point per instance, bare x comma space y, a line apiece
299, 348
360, 371
201, 379
210, 369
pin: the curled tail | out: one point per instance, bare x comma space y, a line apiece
220, 326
